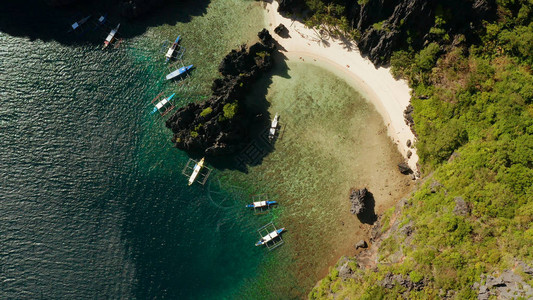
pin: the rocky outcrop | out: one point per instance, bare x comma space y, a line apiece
220, 125
508, 285
361, 244
281, 30
461, 207
391, 280
357, 198
404, 169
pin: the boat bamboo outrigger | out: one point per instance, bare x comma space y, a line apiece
261, 204
164, 106
179, 72
200, 172
273, 127
110, 37
76, 25
172, 49
270, 236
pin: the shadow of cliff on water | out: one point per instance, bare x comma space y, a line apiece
35, 19
257, 105
368, 215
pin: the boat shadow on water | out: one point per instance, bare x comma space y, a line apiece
38, 20
257, 105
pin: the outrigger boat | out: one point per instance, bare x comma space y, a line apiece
196, 170
76, 25
273, 127
171, 50
261, 204
110, 37
269, 237
161, 104
178, 72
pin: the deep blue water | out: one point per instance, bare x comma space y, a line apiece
92, 200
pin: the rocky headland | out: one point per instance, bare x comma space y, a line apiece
221, 125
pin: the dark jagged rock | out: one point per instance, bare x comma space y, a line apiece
361, 244
219, 126
408, 117
281, 30
357, 198
404, 169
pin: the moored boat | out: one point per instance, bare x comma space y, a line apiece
76, 25
162, 104
273, 127
178, 72
269, 237
196, 170
261, 204
171, 50
111, 37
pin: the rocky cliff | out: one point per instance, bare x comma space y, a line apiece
384, 26
220, 125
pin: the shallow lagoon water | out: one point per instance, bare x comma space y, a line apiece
94, 204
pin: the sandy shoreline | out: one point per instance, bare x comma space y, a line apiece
390, 96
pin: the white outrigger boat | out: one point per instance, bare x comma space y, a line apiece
171, 50
273, 127
261, 204
196, 170
164, 106
76, 25
269, 237
110, 37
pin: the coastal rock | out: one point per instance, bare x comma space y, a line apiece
409, 153
361, 244
281, 30
408, 143
408, 117
343, 266
357, 198
461, 207
404, 169
220, 125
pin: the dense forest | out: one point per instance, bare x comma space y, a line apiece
469, 64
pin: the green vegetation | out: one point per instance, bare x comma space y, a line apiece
230, 109
206, 112
263, 54
477, 102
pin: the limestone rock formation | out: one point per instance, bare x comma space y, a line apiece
220, 125
357, 198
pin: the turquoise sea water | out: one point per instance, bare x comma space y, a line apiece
92, 200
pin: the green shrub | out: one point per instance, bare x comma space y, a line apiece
206, 112
230, 109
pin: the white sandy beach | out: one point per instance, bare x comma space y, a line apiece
390, 96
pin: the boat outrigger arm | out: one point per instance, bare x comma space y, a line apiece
110, 37
196, 171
